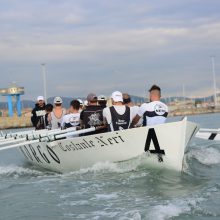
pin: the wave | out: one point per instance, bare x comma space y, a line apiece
206, 156
175, 208
111, 167
19, 171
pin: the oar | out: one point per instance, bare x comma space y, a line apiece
2, 133
50, 133
24, 133
12, 141
83, 131
34, 134
49, 138
209, 130
18, 145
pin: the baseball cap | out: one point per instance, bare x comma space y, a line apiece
57, 100
91, 97
154, 87
40, 98
80, 101
117, 96
102, 98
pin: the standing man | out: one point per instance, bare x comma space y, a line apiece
153, 113
38, 114
118, 116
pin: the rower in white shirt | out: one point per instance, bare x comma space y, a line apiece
153, 113
118, 116
73, 118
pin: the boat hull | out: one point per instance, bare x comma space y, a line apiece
165, 144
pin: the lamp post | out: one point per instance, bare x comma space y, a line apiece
214, 80
44, 81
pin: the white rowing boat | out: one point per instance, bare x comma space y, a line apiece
165, 145
209, 134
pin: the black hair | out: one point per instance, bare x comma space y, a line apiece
49, 107
75, 104
154, 87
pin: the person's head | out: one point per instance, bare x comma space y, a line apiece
57, 101
102, 100
117, 97
49, 107
92, 99
126, 98
155, 93
40, 101
75, 104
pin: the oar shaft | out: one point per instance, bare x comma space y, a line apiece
75, 133
18, 145
12, 141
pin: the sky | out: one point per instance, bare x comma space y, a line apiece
105, 45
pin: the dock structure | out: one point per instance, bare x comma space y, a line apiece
13, 92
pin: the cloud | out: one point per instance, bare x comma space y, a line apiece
73, 19
65, 46
89, 43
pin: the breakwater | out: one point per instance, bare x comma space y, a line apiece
15, 122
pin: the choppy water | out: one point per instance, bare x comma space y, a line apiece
116, 191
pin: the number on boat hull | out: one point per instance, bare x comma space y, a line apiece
152, 136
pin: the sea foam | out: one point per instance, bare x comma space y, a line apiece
206, 156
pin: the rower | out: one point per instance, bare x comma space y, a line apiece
128, 102
73, 118
118, 116
153, 113
102, 101
56, 116
92, 115
48, 109
38, 114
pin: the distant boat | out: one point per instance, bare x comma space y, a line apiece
209, 134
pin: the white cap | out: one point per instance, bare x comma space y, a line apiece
117, 96
80, 101
57, 100
40, 98
102, 98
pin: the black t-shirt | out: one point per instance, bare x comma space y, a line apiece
91, 117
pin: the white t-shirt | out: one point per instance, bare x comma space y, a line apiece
120, 109
73, 119
153, 113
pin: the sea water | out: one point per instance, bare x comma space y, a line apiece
124, 191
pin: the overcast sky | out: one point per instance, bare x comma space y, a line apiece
106, 45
